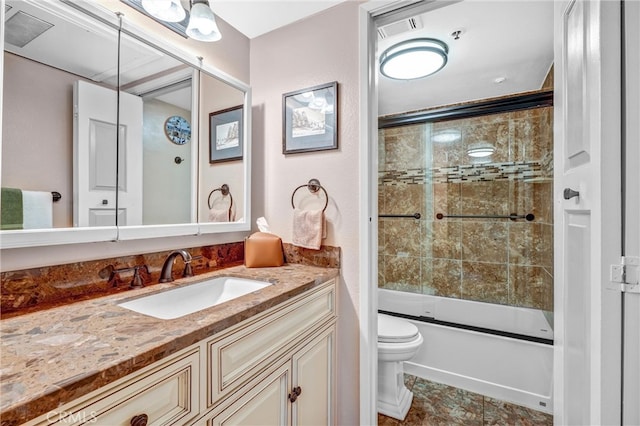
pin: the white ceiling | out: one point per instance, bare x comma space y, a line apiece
256, 17
500, 39
510, 39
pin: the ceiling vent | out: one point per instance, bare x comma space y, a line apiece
22, 28
399, 27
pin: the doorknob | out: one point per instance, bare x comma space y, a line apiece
570, 193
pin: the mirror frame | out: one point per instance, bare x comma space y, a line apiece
85, 10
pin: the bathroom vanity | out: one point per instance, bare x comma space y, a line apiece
265, 357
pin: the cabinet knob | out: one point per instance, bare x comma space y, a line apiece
295, 393
139, 420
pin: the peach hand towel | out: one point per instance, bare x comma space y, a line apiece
307, 228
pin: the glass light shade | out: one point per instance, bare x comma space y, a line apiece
165, 10
202, 23
446, 136
415, 58
479, 151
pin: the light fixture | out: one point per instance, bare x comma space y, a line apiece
202, 23
165, 10
446, 136
481, 149
415, 58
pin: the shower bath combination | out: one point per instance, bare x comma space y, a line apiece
466, 244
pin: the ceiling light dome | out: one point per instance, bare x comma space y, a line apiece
415, 58
480, 150
446, 136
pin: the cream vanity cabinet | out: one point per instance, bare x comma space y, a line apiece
277, 369
274, 368
298, 392
165, 392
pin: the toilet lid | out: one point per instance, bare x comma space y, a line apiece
392, 329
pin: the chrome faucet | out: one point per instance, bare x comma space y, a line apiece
167, 267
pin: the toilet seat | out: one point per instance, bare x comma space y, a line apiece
395, 330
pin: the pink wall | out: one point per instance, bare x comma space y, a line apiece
37, 132
317, 50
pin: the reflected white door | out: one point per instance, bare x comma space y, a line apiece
588, 225
94, 153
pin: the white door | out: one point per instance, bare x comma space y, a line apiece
588, 226
94, 154
632, 202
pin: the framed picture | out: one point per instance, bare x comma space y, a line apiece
309, 119
226, 135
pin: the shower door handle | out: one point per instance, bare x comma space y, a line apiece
570, 193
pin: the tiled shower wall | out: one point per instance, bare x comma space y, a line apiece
490, 260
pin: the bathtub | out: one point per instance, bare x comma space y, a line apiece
499, 351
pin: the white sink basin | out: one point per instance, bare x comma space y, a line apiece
191, 298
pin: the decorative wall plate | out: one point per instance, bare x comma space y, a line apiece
177, 129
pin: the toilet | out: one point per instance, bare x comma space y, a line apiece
398, 341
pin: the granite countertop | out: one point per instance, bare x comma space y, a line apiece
54, 356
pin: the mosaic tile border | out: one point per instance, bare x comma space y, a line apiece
529, 171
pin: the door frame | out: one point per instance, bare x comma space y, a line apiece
605, 404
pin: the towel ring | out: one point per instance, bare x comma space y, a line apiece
313, 186
224, 190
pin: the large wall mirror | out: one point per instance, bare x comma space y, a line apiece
65, 69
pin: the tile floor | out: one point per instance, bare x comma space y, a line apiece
435, 404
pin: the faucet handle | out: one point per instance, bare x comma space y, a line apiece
137, 281
188, 270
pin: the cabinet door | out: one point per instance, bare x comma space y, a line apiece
239, 355
164, 394
313, 375
264, 404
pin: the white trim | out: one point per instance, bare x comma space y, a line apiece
368, 301
2, 5
154, 231
632, 200
56, 236
195, 144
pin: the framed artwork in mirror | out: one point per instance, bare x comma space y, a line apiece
177, 129
310, 119
226, 135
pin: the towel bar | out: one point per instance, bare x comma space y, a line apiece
224, 190
513, 216
313, 186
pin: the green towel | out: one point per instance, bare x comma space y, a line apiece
11, 209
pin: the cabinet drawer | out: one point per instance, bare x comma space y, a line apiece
168, 394
243, 352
